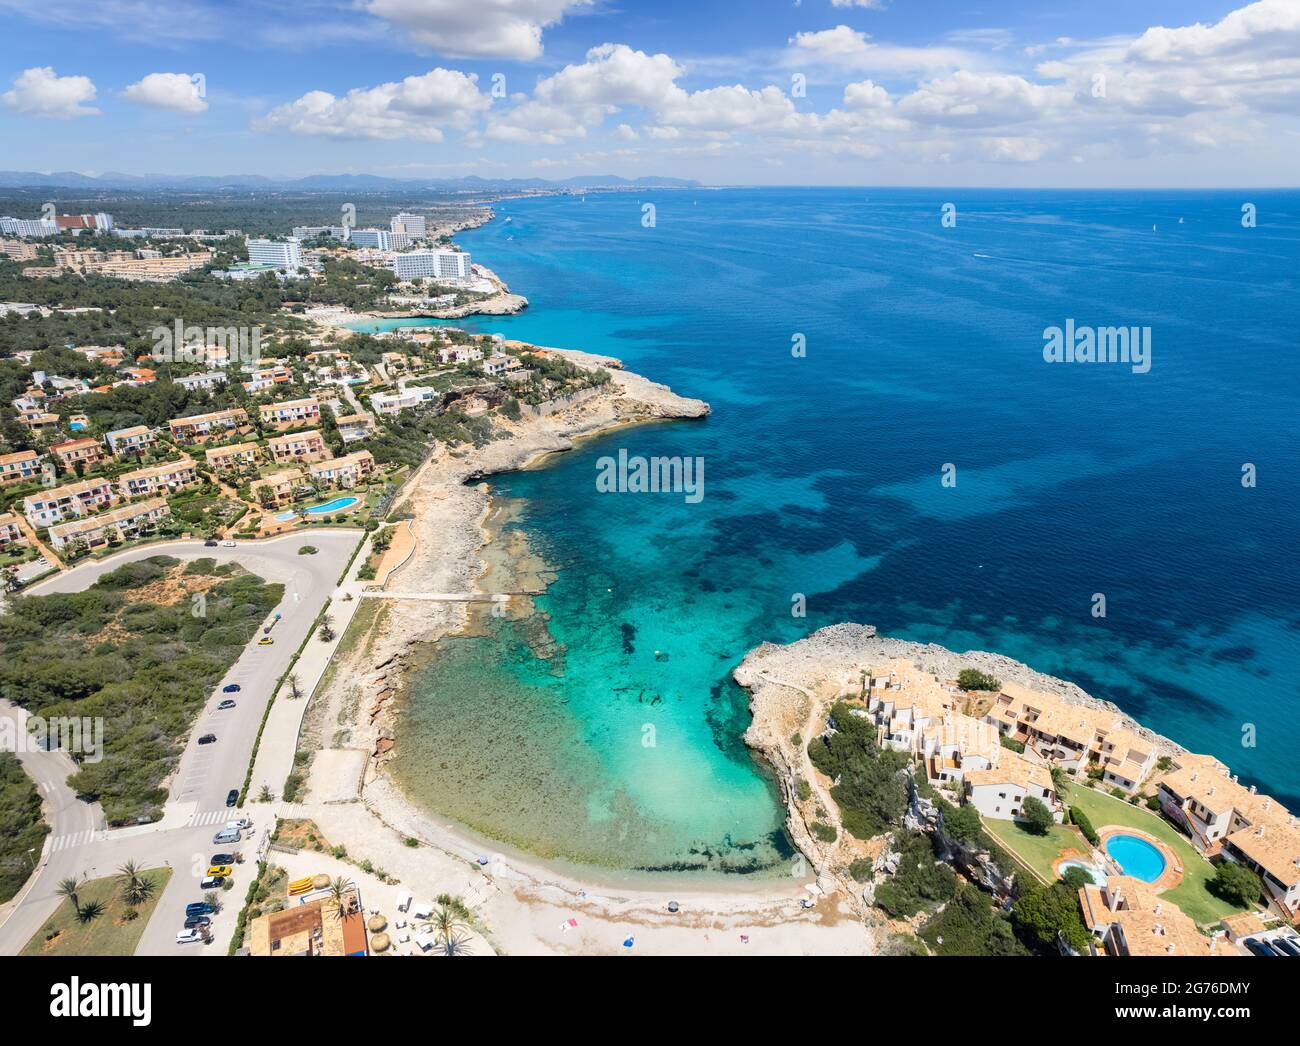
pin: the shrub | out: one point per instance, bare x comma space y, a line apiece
1236, 884
826, 833
1012, 743
803, 790
974, 679
1081, 821
920, 883
860, 870
1153, 803
1043, 912
308, 550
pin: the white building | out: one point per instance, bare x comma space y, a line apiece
411, 224
431, 264
380, 239
210, 380
310, 232
282, 254
396, 402
28, 227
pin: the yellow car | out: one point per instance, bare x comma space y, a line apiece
265, 641
219, 869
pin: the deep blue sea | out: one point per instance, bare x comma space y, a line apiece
823, 477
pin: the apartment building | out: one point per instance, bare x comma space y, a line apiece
1227, 818
290, 413
1074, 736
227, 459
396, 402
218, 424
268, 378
118, 524
298, 446
354, 427
131, 442
1002, 790
346, 471
280, 254
413, 225
1127, 917
85, 452
431, 264
166, 478
499, 364
11, 532
459, 354
277, 489
20, 466
209, 380
72, 500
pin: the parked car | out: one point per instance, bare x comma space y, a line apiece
212, 882
220, 869
1260, 948
1290, 945
210, 543
207, 739
193, 922
228, 544
226, 835
225, 705
230, 688
198, 908
266, 641
224, 859
190, 936
232, 797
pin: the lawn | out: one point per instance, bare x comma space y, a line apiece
109, 933
1037, 851
1191, 894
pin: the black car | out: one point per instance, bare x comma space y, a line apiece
195, 921
210, 543
198, 908
232, 797
1290, 945
1260, 948
222, 859
207, 739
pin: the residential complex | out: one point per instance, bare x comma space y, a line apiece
138, 439
290, 413
298, 446
218, 424
117, 524
431, 264
279, 254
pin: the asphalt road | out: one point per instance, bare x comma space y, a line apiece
78, 845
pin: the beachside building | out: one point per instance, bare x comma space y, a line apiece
208, 380
166, 478
237, 455
413, 225
131, 442
268, 378
119, 524
70, 501
354, 427
499, 363
1127, 917
11, 531
279, 254
219, 424
311, 929
1001, 791
437, 265
277, 489
298, 446
1236, 822
85, 452
1074, 736
290, 413
396, 402
459, 354
346, 471
37, 421
20, 466
379, 239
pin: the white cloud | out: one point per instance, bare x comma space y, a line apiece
984, 100
873, 5
179, 92
419, 107
40, 91
479, 29
854, 49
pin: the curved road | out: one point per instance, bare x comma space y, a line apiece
78, 845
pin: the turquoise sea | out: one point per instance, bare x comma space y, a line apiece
823, 477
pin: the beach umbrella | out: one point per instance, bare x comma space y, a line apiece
321, 881
629, 942
674, 907
379, 942
377, 923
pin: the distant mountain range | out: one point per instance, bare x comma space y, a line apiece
319, 182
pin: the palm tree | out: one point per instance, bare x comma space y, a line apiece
456, 945
446, 924
136, 887
213, 899
339, 896
91, 910
69, 888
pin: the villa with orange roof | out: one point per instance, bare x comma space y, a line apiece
1128, 917
217, 424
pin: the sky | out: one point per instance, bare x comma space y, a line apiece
1001, 93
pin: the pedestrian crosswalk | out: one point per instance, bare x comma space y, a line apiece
211, 817
72, 840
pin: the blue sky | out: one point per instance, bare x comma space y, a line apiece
1028, 92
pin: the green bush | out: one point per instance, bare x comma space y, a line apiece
974, 679
826, 833
1038, 818
860, 870
1080, 819
1236, 884
920, 883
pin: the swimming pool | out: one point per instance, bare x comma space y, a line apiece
337, 505
284, 517
1136, 857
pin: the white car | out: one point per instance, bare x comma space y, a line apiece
227, 544
188, 937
